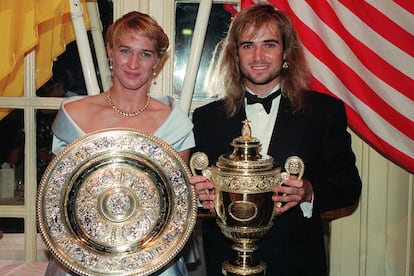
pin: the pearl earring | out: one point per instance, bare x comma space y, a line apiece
111, 66
154, 74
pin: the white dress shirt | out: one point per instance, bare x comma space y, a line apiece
262, 125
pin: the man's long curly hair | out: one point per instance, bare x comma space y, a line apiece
226, 80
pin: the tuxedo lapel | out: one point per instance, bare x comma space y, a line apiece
215, 132
283, 136
234, 124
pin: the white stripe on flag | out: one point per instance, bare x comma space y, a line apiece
396, 13
376, 123
389, 52
341, 50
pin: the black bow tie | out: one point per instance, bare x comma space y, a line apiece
266, 102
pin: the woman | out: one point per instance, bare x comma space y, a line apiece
136, 48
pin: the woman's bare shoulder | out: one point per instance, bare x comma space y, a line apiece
85, 104
159, 109
160, 105
84, 108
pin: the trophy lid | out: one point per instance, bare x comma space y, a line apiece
246, 153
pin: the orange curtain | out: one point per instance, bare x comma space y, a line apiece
43, 25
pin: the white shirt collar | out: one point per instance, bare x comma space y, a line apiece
274, 89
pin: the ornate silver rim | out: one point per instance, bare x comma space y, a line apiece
116, 201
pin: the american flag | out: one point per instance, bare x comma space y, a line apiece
363, 53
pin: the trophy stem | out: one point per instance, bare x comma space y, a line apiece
245, 263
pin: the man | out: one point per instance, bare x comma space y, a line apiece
262, 56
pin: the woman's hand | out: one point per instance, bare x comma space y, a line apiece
205, 190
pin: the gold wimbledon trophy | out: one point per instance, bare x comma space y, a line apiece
244, 186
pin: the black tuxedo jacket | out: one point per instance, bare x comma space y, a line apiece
319, 136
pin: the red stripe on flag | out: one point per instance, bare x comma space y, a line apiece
406, 5
382, 25
387, 150
376, 64
358, 125
245, 3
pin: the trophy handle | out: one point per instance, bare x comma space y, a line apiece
198, 163
293, 166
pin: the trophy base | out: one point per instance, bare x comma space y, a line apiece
234, 270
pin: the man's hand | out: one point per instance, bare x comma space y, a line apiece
292, 192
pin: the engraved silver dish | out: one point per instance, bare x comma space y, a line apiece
116, 202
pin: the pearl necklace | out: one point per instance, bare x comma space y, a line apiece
127, 114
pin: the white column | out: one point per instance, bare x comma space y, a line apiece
99, 45
84, 49
196, 49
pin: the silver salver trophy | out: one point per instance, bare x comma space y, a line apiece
244, 185
116, 202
